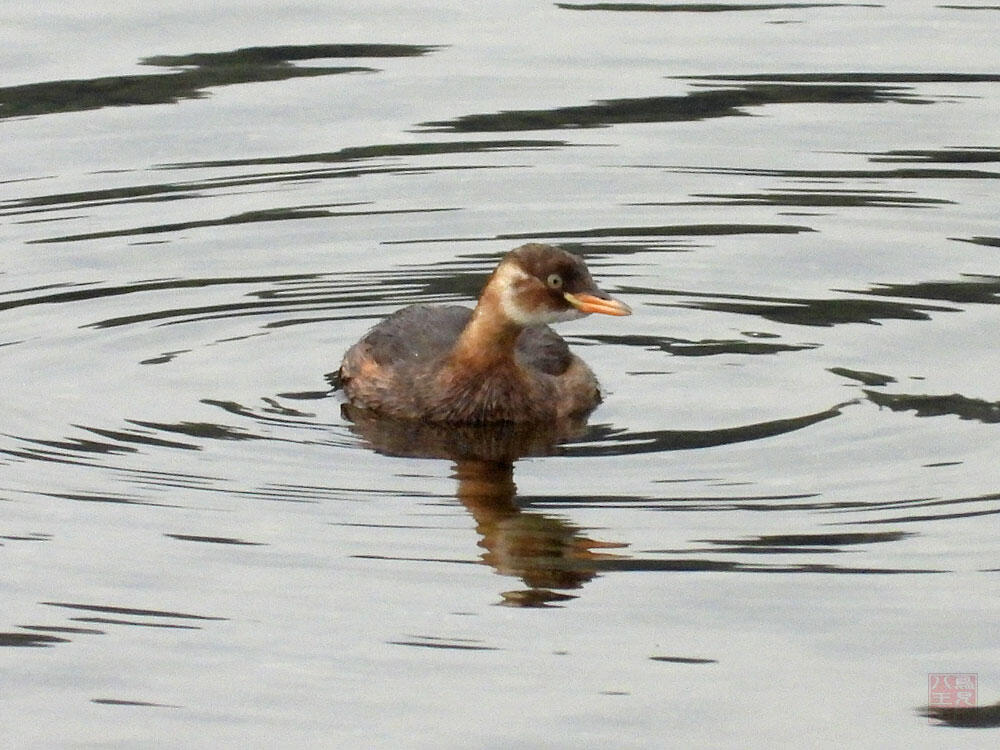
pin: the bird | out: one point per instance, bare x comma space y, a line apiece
500, 362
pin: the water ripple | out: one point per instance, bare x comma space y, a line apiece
700, 348
201, 71
707, 7
800, 310
716, 99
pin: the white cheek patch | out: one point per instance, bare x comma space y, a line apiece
508, 279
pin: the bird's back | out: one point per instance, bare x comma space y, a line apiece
415, 334
421, 333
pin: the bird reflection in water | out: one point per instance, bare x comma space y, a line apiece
548, 554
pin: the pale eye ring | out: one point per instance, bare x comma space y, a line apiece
554, 281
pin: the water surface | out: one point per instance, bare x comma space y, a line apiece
780, 521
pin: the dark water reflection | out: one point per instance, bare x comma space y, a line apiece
717, 100
900, 173
968, 717
704, 348
202, 71
100, 614
939, 156
250, 217
955, 404
706, 7
808, 312
974, 288
604, 440
383, 151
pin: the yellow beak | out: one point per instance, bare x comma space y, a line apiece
588, 303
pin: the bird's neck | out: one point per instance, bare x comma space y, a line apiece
489, 338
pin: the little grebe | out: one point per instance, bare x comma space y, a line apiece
497, 363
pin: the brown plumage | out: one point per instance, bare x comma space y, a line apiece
498, 363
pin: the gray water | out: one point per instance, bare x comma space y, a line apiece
779, 523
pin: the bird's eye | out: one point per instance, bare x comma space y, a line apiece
554, 281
